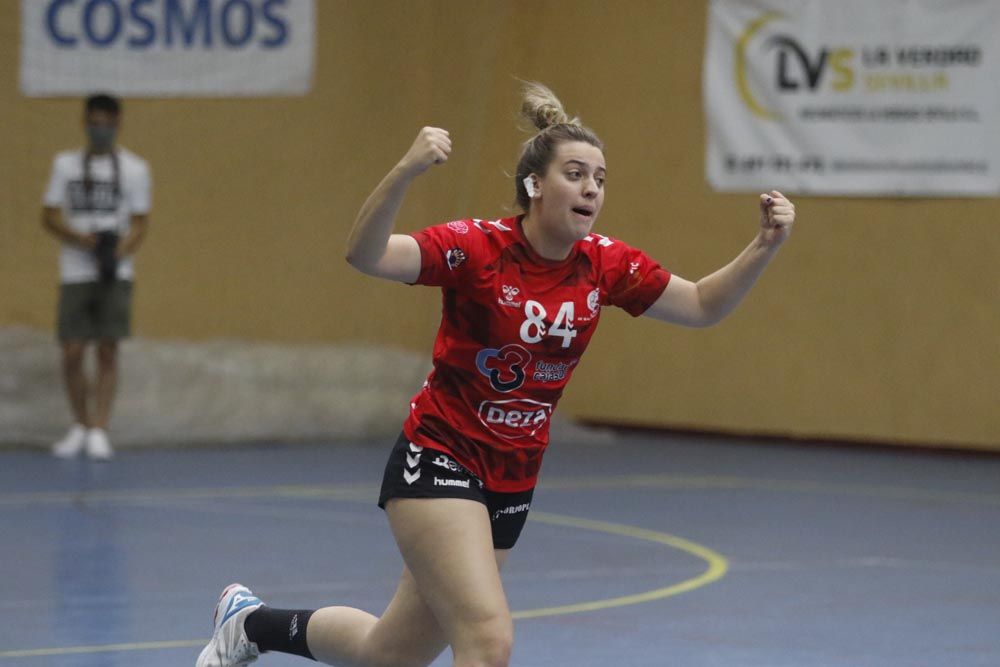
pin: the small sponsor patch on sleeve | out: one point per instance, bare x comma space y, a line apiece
455, 258
459, 226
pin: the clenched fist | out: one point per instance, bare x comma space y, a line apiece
432, 146
777, 215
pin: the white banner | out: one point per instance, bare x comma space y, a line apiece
894, 97
156, 48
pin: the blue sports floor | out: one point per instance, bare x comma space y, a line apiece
643, 553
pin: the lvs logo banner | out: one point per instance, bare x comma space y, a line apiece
853, 97
157, 48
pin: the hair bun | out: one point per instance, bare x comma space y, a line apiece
542, 108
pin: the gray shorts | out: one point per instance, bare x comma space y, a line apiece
95, 310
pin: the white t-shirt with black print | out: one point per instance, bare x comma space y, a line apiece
104, 205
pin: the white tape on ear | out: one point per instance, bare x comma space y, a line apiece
529, 186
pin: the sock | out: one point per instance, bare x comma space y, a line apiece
282, 630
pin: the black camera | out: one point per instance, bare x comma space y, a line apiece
107, 259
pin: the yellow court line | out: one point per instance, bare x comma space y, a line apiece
717, 568
207, 493
766, 484
102, 648
717, 565
364, 491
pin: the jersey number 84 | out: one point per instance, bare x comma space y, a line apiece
533, 328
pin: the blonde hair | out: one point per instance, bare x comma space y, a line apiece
542, 108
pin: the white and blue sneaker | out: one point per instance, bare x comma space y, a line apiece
229, 646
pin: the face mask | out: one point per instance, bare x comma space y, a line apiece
101, 137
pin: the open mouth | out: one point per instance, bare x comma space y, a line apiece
584, 211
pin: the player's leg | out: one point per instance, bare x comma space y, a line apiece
438, 514
455, 540
407, 634
447, 544
448, 541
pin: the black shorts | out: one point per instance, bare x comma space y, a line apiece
95, 310
423, 472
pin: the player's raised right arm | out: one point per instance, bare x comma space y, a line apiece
372, 248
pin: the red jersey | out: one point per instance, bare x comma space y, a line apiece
513, 327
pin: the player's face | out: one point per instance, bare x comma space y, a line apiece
572, 191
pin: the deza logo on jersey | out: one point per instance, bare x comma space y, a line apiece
515, 418
175, 24
504, 367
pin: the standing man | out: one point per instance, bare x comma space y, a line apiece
97, 205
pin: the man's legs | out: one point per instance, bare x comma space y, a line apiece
98, 445
76, 326
75, 380
107, 381
75, 383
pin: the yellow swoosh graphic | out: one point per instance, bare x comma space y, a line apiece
741, 66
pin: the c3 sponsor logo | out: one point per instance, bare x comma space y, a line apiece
504, 367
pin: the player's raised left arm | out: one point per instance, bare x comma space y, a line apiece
372, 248
711, 299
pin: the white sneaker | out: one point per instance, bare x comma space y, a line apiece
72, 443
229, 646
98, 445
